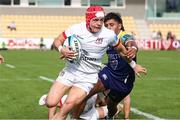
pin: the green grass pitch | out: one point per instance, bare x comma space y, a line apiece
157, 94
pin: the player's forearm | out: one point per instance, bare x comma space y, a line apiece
121, 50
58, 43
132, 44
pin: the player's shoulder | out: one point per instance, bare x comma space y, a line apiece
124, 34
108, 32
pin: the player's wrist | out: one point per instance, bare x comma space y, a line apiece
132, 64
60, 48
134, 47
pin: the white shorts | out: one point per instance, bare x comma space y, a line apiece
92, 114
78, 79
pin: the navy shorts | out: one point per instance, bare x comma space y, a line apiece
120, 85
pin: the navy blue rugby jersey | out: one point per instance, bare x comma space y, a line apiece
117, 65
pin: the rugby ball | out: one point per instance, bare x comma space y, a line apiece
75, 45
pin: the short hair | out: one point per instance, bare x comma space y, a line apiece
116, 17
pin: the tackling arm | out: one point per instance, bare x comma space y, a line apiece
131, 43
123, 52
132, 48
137, 68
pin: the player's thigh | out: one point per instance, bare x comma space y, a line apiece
76, 95
56, 92
98, 87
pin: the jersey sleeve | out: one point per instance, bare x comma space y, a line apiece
124, 37
114, 40
70, 31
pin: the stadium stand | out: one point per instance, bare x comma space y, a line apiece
36, 26
165, 28
130, 25
33, 26
48, 21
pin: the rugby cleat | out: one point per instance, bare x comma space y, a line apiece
42, 100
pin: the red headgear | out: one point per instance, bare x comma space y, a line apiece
92, 12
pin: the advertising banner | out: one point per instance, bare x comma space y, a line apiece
29, 43
149, 44
46, 43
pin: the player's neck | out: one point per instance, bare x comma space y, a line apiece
120, 32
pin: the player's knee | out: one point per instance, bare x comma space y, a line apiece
50, 102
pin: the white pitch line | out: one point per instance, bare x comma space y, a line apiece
51, 80
165, 78
175, 78
46, 79
147, 115
136, 111
15, 79
10, 66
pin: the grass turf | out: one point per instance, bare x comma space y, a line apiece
20, 87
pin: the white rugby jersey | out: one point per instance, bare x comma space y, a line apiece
90, 110
93, 47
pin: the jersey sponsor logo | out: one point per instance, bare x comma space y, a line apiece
84, 56
79, 37
99, 41
104, 76
113, 60
113, 56
76, 46
113, 64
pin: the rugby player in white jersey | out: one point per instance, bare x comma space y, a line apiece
95, 107
79, 77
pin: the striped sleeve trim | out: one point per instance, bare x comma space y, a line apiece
64, 34
117, 44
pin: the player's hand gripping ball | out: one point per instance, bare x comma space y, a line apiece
75, 45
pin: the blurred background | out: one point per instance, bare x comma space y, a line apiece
147, 20
28, 28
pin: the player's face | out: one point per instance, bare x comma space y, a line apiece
113, 25
96, 24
